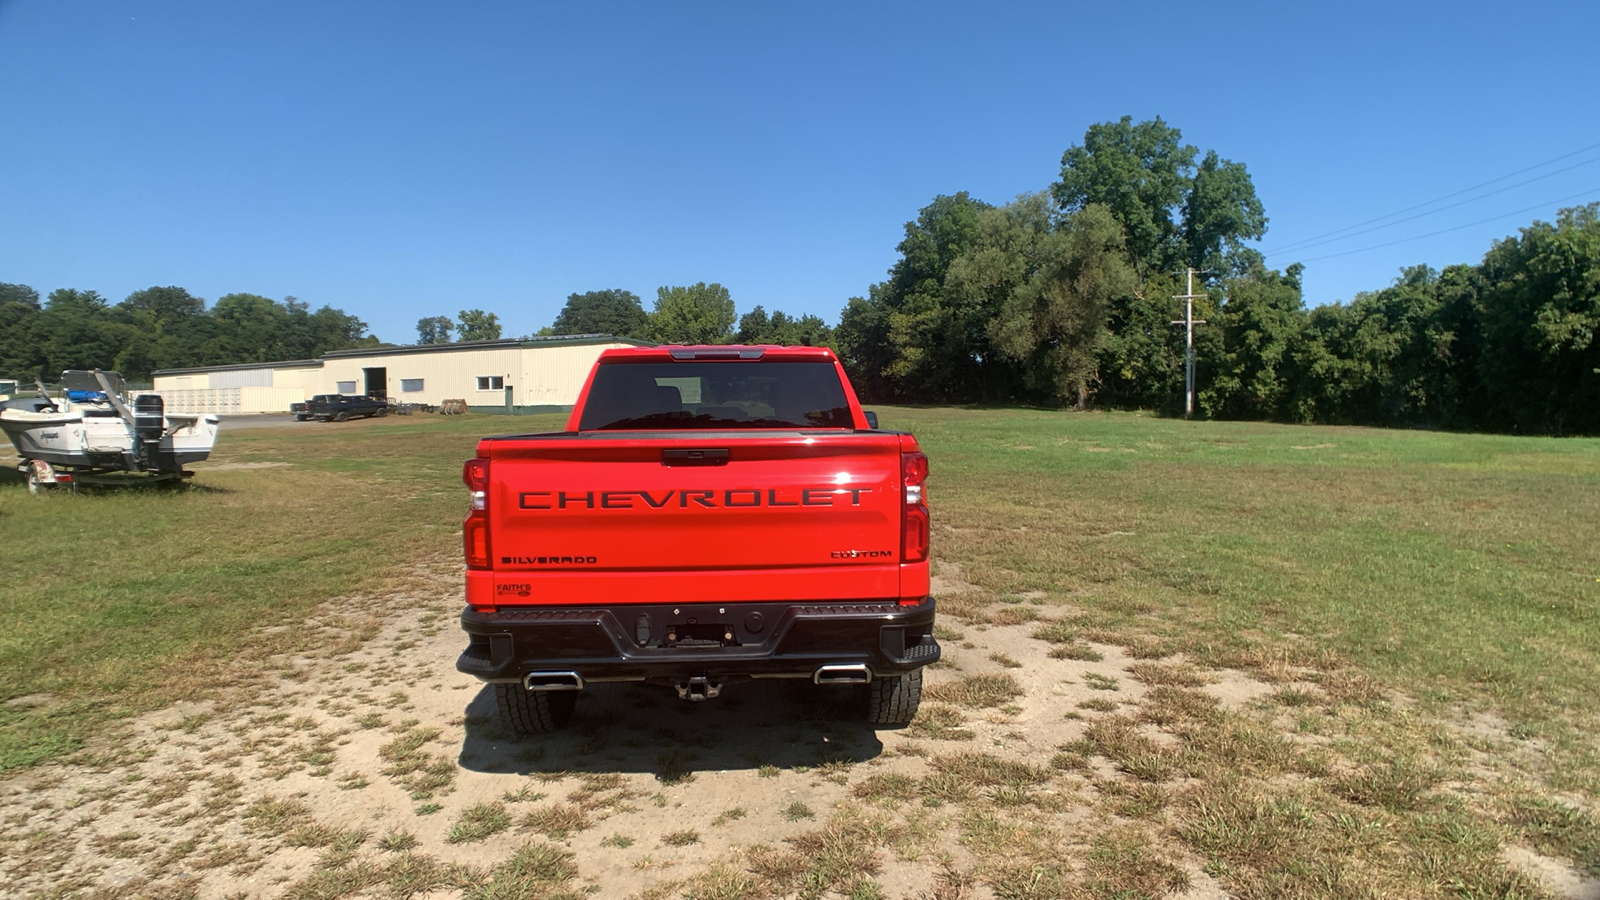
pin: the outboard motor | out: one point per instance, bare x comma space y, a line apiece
149, 423
149, 417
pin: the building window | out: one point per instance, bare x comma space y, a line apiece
345, 387
491, 382
410, 385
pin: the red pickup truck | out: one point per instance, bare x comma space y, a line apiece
710, 515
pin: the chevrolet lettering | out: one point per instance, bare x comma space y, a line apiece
731, 498
709, 516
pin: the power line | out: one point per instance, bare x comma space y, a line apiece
1313, 242
1547, 162
1457, 227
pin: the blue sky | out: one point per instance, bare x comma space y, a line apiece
399, 160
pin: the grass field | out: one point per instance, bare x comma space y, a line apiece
1422, 605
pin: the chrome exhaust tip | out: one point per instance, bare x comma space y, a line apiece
553, 681
851, 673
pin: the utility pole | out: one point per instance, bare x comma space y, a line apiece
1189, 322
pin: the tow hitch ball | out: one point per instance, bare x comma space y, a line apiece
697, 688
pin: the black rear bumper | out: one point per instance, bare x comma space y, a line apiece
719, 641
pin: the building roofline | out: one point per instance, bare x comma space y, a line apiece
239, 367
570, 340
538, 341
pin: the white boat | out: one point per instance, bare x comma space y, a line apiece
91, 435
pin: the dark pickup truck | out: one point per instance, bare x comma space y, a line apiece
338, 408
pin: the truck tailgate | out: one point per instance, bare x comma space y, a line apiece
696, 517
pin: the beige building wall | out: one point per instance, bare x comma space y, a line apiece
539, 373
553, 376
436, 375
189, 381
307, 379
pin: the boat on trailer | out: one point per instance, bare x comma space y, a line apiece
92, 436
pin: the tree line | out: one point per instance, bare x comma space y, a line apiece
1065, 297
695, 314
161, 328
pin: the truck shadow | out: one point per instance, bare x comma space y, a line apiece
646, 729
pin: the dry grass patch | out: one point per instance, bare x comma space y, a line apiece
606, 792
976, 691
969, 607
1165, 705
886, 787
478, 822
840, 854
1301, 843
1158, 674
1117, 738
1079, 652
1013, 615
533, 871
1555, 829
269, 815
986, 770
411, 874
939, 721
558, 821
412, 767
1125, 862
1399, 784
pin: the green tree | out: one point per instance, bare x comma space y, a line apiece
1392, 357
616, 312
1262, 358
1220, 212
1141, 358
1175, 215
252, 328
698, 314
477, 325
20, 350
862, 342
1540, 312
164, 304
78, 331
435, 330
1141, 173
1054, 322
907, 339
327, 329
756, 327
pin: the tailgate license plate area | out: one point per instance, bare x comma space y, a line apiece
695, 634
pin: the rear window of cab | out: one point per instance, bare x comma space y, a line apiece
715, 395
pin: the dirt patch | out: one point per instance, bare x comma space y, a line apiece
372, 768
222, 467
1562, 879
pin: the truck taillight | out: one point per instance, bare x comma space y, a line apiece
475, 474
475, 530
914, 524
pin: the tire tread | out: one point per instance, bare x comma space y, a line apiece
894, 701
533, 712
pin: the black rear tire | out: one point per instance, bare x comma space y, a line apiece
341, 416
894, 701
534, 712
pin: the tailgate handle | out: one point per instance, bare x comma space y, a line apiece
695, 457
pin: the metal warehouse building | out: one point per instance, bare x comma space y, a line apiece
538, 374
